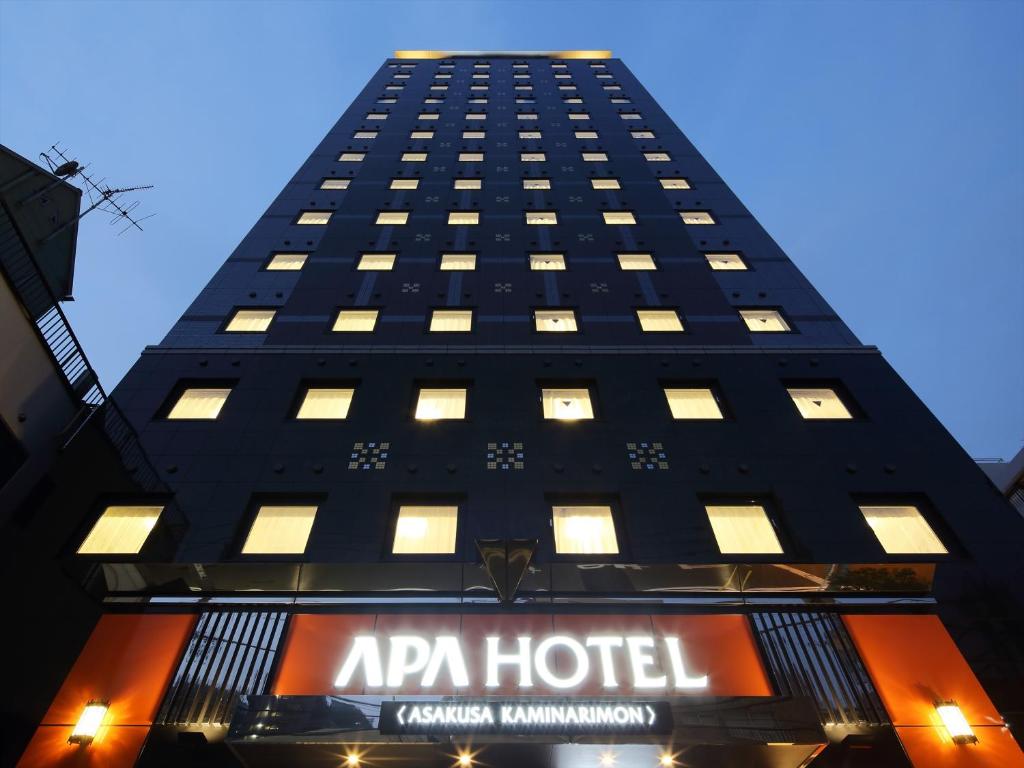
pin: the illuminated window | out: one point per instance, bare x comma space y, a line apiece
377, 116
428, 116
541, 217
325, 403
478, 87
579, 116
819, 403
467, 184
572, 100
530, 134
436, 403
393, 217
458, 262
555, 320
611, 87
642, 134
620, 100
355, 320
314, 217
474, 134
531, 157
630, 116
121, 530
567, 87
633, 262
480, 76
250, 320
526, 116
618, 217
657, 157
425, 530
280, 530
659, 321
584, 530
725, 261
902, 530
743, 529
605, 184
334, 184
287, 262
471, 157
421, 135
764, 321
463, 217
536, 183
674, 183
199, 403
364, 135
566, 404
586, 134
351, 157
476, 115
696, 217
478, 100
693, 403
540, 262
405, 183
376, 262
595, 157
414, 157
451, 321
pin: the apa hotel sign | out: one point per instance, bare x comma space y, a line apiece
520, 655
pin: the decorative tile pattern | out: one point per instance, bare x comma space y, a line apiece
503, 287
505, 455
599, 287
647, 455
410, 287
369, 455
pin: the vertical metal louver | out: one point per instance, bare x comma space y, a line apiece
231, 653
811, 654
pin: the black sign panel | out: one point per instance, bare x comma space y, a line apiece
572, 717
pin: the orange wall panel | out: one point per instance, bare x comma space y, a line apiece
932, 748
114, 747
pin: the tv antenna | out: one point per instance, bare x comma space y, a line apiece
101, 195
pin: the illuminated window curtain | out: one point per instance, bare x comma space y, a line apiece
541, 217
618, 217
468, 184
675, 184
356, 320
325, 403
555, 321
636, 261
659, 320
463, 217
760, 320
199, 403
314, 217
393, 217
584, 530
458, 262
547, 261
604, 183
405, 183
425, 530
693, 404
743, 529
819, 403
725, 261
121, 530
696, 217
280, 530
902, 530
287, 261
250, 320
441, 404
382, 262
536, 184
448, 321
567, 404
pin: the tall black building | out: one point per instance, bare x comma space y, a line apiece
507, 436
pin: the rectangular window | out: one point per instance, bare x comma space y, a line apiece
458, 262
414, 157
467, 184
536, 183
351, 157
572, 100
471, 157
659, 321
199, 403
611, 87
541, 217
696, 217
532, 157
567, 87
377, 116
566, 404
819, 403
405, 183
387, 100
657, 157
428, 116
579, 116
555, 320
586, 134
474, 134
463, 217
764, 321
280, 530
530, 134
696, 403
313, 217
376, 262
743, 529
250, 320
334, 183
674, 183
902, 530
630, 116
425, 530
436, 403
605, 184
620, 100
725, 261
355, 320
451, 321
478, 87
584, 530
476, 115
642, 134
121, 530
325, 403
541, 262
618, 217
364, 135
397, 218
287, 262
634, 262
595, 157
421, 135
526, 116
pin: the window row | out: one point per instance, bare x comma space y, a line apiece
421, 133
531, 218
529, 183
482, 115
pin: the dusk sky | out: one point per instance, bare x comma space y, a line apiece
881, 145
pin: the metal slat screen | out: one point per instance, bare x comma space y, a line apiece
231, 653
811, 654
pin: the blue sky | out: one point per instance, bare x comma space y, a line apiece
881, 144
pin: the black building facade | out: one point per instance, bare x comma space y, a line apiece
506, 359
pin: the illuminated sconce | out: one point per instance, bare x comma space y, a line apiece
607, 760
352, 760
667, 760
955, 722
465, 760
89, 723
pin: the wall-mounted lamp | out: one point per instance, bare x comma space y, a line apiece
89, 723
955, 722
